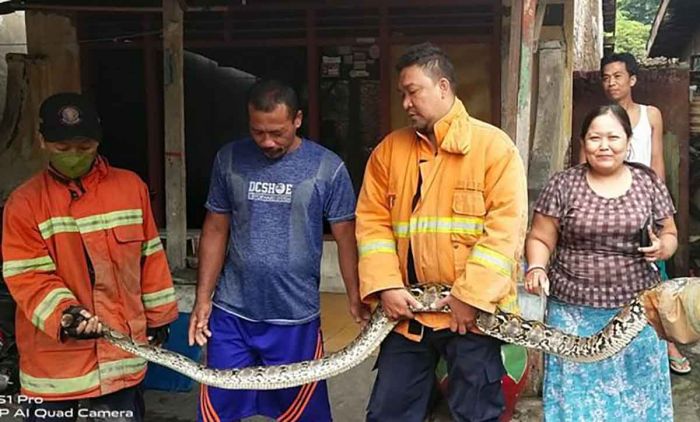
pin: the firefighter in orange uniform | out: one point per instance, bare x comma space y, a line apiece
442, 201
80, 246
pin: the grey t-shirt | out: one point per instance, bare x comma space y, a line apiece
277, 208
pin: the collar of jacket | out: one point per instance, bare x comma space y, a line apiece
99, 170
453, 131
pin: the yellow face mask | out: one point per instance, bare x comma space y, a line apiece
72, 164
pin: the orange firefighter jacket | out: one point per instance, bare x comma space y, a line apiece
92, 243
467, 228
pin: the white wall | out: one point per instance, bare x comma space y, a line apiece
331, 281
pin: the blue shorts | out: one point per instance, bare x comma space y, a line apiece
238, 343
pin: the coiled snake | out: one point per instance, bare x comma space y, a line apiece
507, 327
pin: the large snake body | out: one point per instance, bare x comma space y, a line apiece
614, 337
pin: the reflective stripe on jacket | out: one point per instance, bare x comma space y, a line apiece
469, 225
92, 243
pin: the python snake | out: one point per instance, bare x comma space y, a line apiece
507, 327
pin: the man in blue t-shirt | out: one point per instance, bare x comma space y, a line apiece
260, 257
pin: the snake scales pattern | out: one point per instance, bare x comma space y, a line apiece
510, 328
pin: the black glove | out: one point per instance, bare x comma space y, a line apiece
156, 336
71, 319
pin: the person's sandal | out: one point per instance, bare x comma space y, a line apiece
680, 366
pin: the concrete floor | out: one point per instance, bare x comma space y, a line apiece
350, 391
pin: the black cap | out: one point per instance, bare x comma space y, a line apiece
67, 116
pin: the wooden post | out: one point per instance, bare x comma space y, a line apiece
545, 157
539, 20
174, 121
153, 124
568, 75
548, 147
314, 118
511, 90
522, 128
522, 141
681, 260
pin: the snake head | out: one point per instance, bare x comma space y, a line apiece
428, 295
487, 321
513, 327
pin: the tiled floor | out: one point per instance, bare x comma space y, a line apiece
336, 324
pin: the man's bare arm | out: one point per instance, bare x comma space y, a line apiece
212, 252
344, 234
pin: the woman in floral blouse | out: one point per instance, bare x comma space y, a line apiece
587, 225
